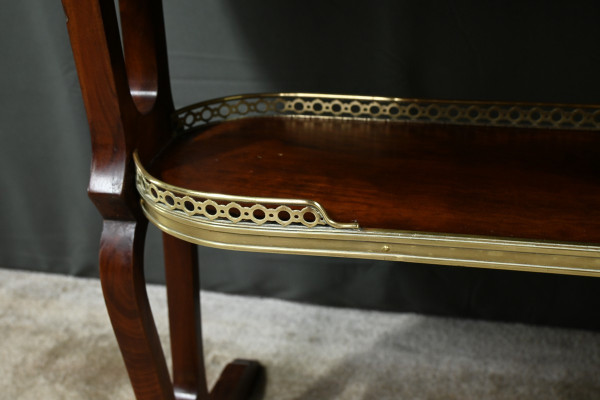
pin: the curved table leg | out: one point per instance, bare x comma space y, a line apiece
124, 288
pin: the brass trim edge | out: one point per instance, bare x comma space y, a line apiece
532, 115
492, 253
232, 209
165, 206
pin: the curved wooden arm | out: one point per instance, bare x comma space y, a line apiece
128, 100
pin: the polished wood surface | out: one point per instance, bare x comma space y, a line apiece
491, 181
124, 288
238, 380
525, 183
127, 97
117, 124
183, 296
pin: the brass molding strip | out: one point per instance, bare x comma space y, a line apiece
255, 224
393, 246
232, 209
532, 115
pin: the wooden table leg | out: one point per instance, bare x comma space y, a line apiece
183, 293
124, 287
237, 381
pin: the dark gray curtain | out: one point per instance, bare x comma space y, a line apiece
511, 50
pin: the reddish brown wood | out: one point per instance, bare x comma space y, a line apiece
128, 103
237, 382
523, 183
183, 294
145, 49
117, 127
123, 284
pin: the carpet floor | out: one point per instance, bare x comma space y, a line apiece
56, 343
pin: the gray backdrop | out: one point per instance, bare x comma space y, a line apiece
505, 50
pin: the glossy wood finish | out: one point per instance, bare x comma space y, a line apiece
183, 294
505, 182
490, 181
237, 380
117, 126
123, 285
128, 104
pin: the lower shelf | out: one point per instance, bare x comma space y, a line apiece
497, 196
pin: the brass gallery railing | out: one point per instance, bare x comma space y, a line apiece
302, 226
389, 109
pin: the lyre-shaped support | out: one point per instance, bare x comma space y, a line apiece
128, 102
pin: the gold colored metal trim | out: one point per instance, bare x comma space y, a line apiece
188, 215
294, 226
493, 253
532, 115
233, 209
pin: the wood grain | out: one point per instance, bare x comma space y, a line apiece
124, 288
525, 183
127, 97
490, 181
117, 126
183, 295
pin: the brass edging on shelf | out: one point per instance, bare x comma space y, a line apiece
232, 225
403, 246
325, 237
377, 108
235, 209
398, 237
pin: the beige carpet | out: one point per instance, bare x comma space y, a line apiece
56, 343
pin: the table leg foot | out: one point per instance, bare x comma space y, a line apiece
237, 381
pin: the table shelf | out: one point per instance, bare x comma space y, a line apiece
387, 174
